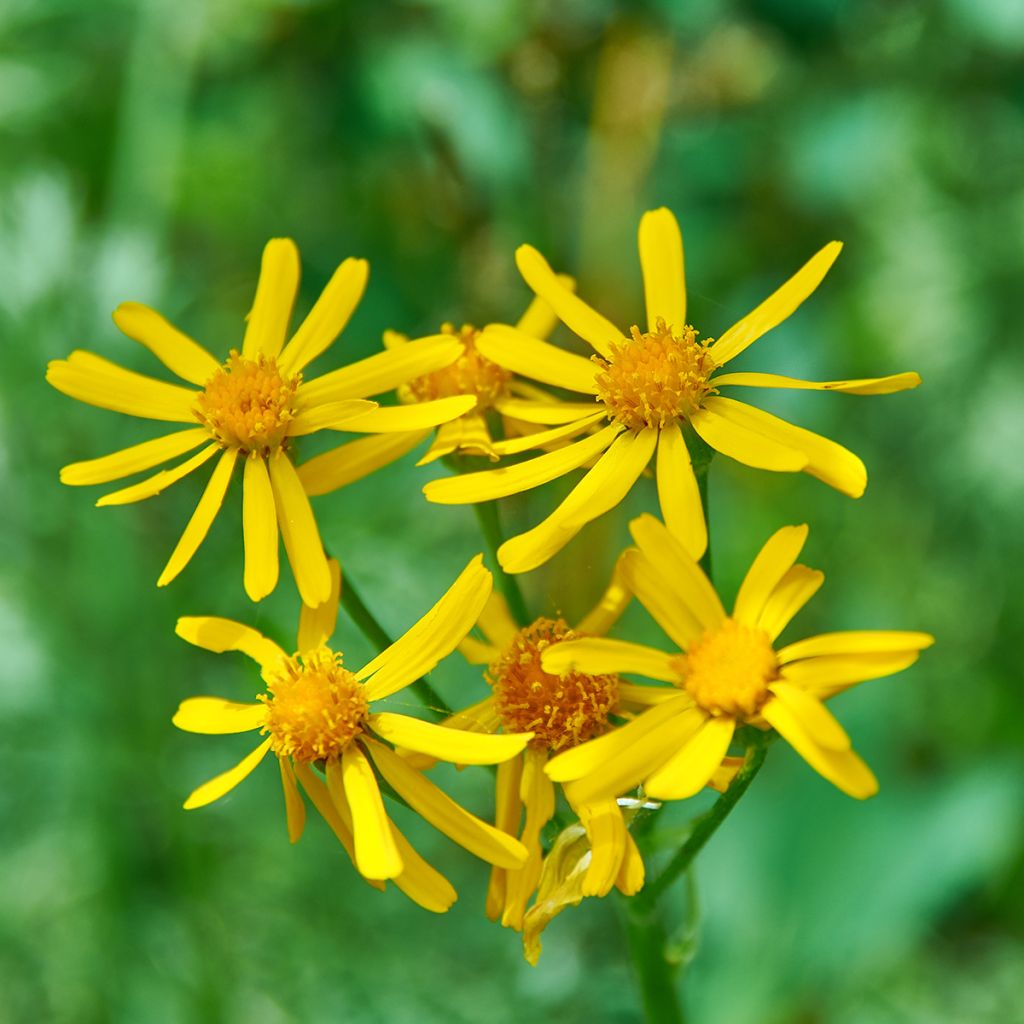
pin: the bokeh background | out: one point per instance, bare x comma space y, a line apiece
147, 151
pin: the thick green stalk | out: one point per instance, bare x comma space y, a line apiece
655, 975
490, 526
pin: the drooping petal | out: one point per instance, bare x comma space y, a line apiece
267, 323
678, 493
420, 881
294, 808
603, 656
135, 459
455, 745
202, 519
214, 716
394, 419
606, 832
744, 444
537, 359
222, 784
687, 772
661, 259
791, 593
177, 351
468, 433
856, 641
152, 486
328, 317
777, 307
354, 460
508, 811
815, 719
866, 386
220, 635
316, 625
337, 816
631, 874
773, 561
259, 529
532, 410
377, 854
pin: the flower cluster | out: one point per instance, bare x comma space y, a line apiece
589, 732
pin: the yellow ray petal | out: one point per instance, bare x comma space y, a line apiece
856, 641
338, 817
433, 637
220, 635
540, 320
570, 309
329, 416
214, 716
773, 561
608, 610
468, 434
476, 652
537, 359
316, 625
843, 768
177, 351
678, 494
635, 695
99, 382
202, 519
663, 603
328, 317
221, 784
631, 874
445, 814
446, 744
299, 532
746, 445
661, 259
489, 484
400, 418
531, 410
603, 656
601, 489
815, 719
294, 808
508, 811
496, 621
377, 854
543, 438
677, 570
267, 323
354, 460
158, 482
830, 674
538, 796
687, 772
421, 882
259, 529
777, 307
606, 832
134, 459
866, 386
791, 593
381, 372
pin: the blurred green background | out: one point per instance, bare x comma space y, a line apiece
147, 151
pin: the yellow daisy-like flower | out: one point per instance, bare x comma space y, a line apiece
316, 712
252, 407
650, 384
727, 673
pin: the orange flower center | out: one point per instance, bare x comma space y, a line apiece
470, 374
728, 670
656, 378
248, 404
561, 711
315, 708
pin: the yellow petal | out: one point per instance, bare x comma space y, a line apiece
609, 609
815, 719
866, 386
454, 745
496, 621
202, 519
97, 381
635, 695
791, 593
856, 641
687, 772
328, 317
543, 438
421, 882
571, 310
537, 359
316, 625
377, 854
381, 372
221, 784
267, 323
631, 874
177, 351
604, 656
467, 433
540, 320
337, 816
661, 259
773, 561
214, 716
134, 459
220, 635
158, 482
354, 460
829, 462
259, 529
508, 811
532, 410
294, 808
606, 832
329, 416
400, 418
444, 814
538, 796
433, 637
299, 532
678, 494
830, 674
843, 768
777, 307
489, 484
476, 652
662, 602
744, 444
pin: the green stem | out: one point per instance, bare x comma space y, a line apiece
490, 526
656, 976
375, 633
701, 472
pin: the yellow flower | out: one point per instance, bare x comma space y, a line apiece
650, 384
315, 712
727, 673
252, 407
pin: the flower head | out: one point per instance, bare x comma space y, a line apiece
650, 386
317, 714
251, 408
727, 672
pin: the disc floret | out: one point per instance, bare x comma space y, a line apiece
470, 374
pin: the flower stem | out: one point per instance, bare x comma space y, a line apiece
375, 633
490, 526
655, 975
